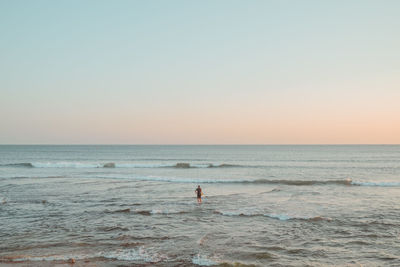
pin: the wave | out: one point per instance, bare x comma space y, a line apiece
227, 166
271, 191
23, 165
281, 217
203, 261
133, 254
70, 258
148, 212
382, 184
344, 182
112, 228
285, 217
208, 165
158, 211
119, 211
304, 182
66, 165
33, 177
248, 213
179, 165
137, 254
240, 181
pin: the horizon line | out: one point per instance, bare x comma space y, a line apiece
250, 144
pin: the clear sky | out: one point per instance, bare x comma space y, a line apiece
199, 72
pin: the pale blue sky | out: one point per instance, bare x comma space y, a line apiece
199, 72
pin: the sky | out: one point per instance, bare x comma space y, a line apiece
199, 72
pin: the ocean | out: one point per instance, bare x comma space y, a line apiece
272, 205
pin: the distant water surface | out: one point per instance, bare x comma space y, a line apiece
263, 205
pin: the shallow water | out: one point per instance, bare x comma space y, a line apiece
263, 205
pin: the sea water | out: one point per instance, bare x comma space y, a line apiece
263, 205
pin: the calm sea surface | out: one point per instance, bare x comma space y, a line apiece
263, 205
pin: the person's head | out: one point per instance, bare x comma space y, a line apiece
198, 186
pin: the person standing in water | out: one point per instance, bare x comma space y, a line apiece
199, 193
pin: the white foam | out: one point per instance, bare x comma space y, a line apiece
238, 213
51, 258
166, 211
241, 212
281, 217
285, 217
189, 180
66, 165
170, 179
131, 165
203, 261
95, 165
134, 165
229, 213
139, 254
200, 165
157, 211
383, 184
72, 164
246, 181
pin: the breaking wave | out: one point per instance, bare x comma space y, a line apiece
64, 258
139, 254
148, 212
180, 165
304, 182
285, 217
203, 261
136, 254
234, 213
66, 165
32, 176
281, 217
23, 165
159, 211
344, 182
382, 184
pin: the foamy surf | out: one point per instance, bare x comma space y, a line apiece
285, 217
344, 182
137, 254
281, 217
179, 165
202, 260
53, 257
379, 184
65, 165
166, 212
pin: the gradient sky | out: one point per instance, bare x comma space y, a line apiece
199, 72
